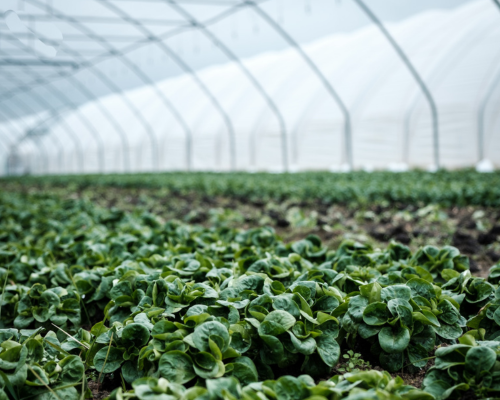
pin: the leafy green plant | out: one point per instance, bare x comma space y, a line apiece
32, 366
402, 321
468, 365
218, 310
361, 385
353, 362
452, 188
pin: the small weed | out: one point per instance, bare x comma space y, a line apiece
353, 363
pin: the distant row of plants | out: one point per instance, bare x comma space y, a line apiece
182, 312
464, 187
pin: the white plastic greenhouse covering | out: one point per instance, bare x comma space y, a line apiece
456, 52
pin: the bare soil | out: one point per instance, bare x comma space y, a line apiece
97, 392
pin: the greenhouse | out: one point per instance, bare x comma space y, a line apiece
249, 200
343, 101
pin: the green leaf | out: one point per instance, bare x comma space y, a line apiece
357, 305
375, 314
305, 346
131, 372
448, 331
143, 319
396, 292
328, 349
23, 321
98, 329
394, 339
72, 370
203, 332
205, 360
326, 304
244, 370
276, 323
304, 307
329, 327
426, 317
113, 361
218, 387
449, 313
367, 331
450, 356
138, 334
420, 287
371, 291
272, 351
448, 274
123, 288
349, 325
176, 366
391, 362
290, 388
417, 355
404, 312
479, 290
479, 359
162, 329
285, 302
426, 338
48, 303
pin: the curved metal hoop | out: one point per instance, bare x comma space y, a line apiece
464, 40
65, 100
67, 128
315, 69
186, 68
99, 75
17, 140
482, 107
110, 52
9, 143
54, 138
133, 67
253, 80
413, 71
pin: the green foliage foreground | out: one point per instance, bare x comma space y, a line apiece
450, 188
185, 312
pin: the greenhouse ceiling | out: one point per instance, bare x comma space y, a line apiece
58, 57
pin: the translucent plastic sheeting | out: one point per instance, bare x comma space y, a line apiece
456, 53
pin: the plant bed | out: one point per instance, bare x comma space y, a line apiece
374, 223
181, 311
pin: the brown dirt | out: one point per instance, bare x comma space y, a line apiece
414, 379
109, 383
97, 392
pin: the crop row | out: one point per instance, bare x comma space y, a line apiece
449, 188
182, 311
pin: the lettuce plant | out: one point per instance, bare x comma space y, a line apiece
402, 321
32, 366
467, 365
184, 311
